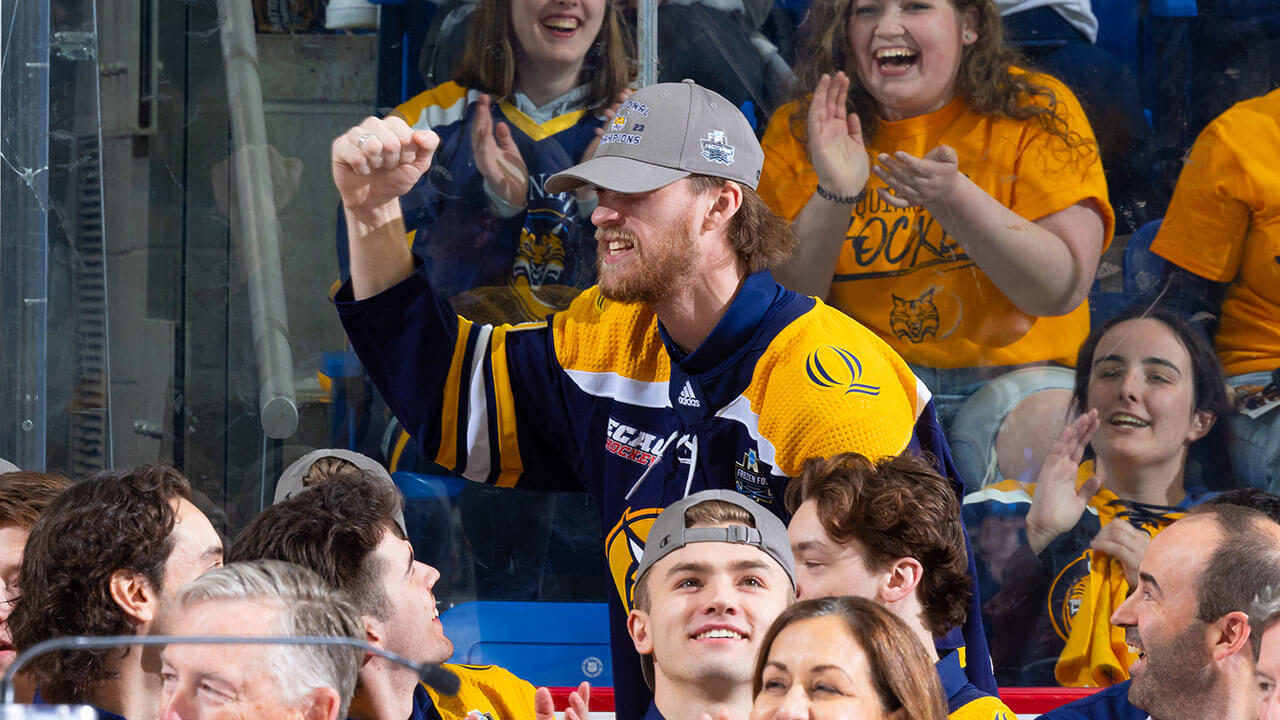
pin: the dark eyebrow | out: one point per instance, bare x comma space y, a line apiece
687, 567
1161, 361
741, 565
1150, 580
212, 550
1107, 358
806, 545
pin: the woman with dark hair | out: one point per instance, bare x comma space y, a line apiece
537, 82
844, 657
943, 197
1148, 390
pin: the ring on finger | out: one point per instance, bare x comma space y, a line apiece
364, 138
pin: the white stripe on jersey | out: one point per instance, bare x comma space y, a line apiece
478, 411
622, 389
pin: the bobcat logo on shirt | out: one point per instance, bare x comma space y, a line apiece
540, 257
623, 547
1066, 594
912, 320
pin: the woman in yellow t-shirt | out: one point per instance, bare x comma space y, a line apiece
943, 197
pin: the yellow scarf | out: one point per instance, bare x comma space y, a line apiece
1096, 654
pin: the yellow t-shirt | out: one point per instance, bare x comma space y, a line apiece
488, 689
1224, 224
900, 274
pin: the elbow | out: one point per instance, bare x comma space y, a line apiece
1048, 303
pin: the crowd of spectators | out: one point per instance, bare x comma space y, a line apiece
751, 325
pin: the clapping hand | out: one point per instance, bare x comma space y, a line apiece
1057, 504
497, 157
835, 138
918, 181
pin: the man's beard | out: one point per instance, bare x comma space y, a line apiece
1178, 678
653, 272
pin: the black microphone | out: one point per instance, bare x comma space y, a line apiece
433, 676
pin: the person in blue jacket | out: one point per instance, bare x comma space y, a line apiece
536, 83
687, 368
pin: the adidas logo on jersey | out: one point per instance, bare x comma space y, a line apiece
687, 398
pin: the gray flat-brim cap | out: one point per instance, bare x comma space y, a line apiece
290, 482
666, 132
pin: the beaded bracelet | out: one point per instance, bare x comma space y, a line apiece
842, 199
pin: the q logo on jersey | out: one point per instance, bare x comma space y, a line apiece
833, 367
623, 547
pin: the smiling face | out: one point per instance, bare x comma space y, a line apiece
1142, 386
645, 241
816, 670
709, 603
555, 35
411, 621
1268, 673
824, 567
223, 682
1160, 621
907, 52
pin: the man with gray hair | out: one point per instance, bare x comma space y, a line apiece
261, 598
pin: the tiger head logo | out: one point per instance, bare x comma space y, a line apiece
913, 320
540, 257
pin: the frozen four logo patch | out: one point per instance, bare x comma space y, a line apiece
716, 148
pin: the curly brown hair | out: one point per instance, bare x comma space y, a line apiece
986, 80
331, 529
902, 674
759, 237
492, 54
896, 507
112, 521
25, 494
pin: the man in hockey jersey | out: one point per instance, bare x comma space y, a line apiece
716, 574
1187, 621
687, 368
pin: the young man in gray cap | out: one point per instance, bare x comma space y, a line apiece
687, 367
716, 572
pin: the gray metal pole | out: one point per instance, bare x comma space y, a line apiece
258, 232
647, 41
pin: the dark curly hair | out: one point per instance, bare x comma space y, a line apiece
985, 81
895, 507
331, 529
112, 521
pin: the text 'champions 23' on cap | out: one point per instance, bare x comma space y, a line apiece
666, 132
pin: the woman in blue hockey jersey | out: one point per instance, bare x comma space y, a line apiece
1053, 561
537, 81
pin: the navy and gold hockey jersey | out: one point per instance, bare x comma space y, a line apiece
487, 689
598, 397
964, 701
1047, 610
501, 269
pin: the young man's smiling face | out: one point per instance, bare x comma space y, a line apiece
708, 604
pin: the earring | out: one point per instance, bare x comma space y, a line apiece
970, 36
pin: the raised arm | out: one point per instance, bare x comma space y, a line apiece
374, 163
1044, 266
840, 160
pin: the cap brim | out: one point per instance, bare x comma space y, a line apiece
619, 174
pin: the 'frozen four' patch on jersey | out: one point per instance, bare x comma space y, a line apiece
751, 479
633, 444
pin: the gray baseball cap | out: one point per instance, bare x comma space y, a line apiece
290, 482
668, 532
666, 132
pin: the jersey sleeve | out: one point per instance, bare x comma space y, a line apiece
787, 180
486, 402
1207, 221
1053, 174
